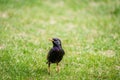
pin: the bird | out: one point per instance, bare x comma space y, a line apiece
55, 54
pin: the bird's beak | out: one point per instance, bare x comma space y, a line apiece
51, 40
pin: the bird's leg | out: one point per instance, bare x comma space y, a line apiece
57, 67
49, 67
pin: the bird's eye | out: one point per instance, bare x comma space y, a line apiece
58, 42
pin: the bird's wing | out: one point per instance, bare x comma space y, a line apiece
51, 51
63, 51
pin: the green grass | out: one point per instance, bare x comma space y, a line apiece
89, 30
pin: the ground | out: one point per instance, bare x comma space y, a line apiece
89, 30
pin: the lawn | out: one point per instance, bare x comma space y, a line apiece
89, 30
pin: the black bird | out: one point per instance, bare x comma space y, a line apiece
55, 54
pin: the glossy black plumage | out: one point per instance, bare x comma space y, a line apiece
56, 53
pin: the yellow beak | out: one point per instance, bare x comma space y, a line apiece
51, 40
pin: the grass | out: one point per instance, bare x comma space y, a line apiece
89, 30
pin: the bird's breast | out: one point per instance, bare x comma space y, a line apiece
56, 49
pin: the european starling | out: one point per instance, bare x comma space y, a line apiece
55, 54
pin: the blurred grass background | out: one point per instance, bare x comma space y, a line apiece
89, 30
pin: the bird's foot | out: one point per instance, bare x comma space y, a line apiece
49, 73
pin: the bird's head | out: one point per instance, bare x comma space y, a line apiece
56, 42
